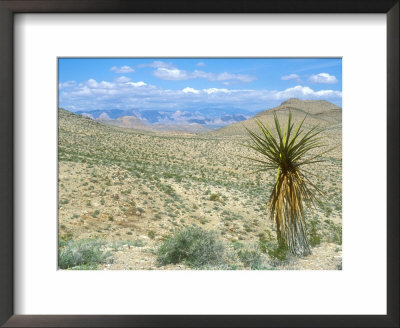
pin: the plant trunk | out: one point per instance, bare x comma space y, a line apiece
281, 240
294, 238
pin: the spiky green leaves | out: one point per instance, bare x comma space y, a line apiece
287, 152
289, 148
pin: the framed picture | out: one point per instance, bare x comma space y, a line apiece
182, 164
170, 207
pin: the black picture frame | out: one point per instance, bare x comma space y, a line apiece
10, 7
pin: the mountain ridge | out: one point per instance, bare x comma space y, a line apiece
319, 112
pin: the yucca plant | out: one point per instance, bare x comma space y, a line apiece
287, 153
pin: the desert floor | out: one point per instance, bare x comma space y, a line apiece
131, 190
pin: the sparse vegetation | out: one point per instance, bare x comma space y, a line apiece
121, 184
272, 248
194, 247
86, 253
214, 197
315, 238
251, 257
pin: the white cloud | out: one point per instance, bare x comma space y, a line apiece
178, 115
215, 90
122, 79
122, 70
328, 94
166, 71
304, 92
323, 78
82, 91
170, 74
225, 76
93, 84
92, 94
290, 77
228, 76
175, 74
137, 84
68, 84
190, 90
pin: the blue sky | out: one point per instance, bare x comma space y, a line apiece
252, 84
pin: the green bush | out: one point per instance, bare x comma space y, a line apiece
269, 246
192, 246
335, 232
85, 253
251, 257
315, 238
214, 197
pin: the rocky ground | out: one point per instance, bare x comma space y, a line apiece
132, 190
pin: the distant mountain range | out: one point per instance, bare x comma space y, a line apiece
319, 112
210, 118
225, 121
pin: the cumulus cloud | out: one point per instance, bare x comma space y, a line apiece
137, 84
167, 71
290, 77
92, 94
190, 90
170, 74
68, 84
228, 76
176, 74
178, 115
215, 90
92, 83
304, 92
323, 78
122, 79
122, 70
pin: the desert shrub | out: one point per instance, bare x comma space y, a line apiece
268, 245
214, 197
138, 243
85, 252
192, 246
335, 231
64, 238
315, 238
278, 252
251, 257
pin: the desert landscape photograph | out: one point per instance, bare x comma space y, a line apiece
199, 164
